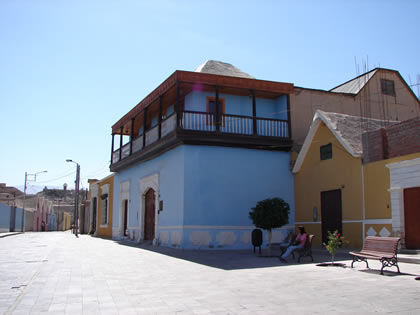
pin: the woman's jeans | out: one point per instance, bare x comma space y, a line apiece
290, 249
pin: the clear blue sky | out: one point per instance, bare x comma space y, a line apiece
70, 69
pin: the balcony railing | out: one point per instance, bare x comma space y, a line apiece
168, 125
198, 121
272, 127
116, 156
207, 122
235, 124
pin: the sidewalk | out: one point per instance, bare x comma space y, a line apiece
57, 273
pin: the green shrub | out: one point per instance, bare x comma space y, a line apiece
269, 214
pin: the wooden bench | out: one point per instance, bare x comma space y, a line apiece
383, 249
306, 251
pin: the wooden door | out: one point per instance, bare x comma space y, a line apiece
412, 217
331, 215
125, 217
12, 219
149, 216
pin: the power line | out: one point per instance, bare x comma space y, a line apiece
51, 180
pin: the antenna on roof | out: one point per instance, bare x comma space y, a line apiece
418, 85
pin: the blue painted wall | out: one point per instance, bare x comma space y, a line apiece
5, 213
210, 190
222, 184
170, 167
240, 105
4, 218
52, 222
18, 220
272, 108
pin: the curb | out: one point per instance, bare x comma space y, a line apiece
9, 234
409, 260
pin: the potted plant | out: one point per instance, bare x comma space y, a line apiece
269, 214
335, 241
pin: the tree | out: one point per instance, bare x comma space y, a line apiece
269, 214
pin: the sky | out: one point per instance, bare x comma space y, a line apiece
71, 69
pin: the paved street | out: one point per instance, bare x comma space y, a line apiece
57, 273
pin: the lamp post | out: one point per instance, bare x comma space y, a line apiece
24, 194
76, 197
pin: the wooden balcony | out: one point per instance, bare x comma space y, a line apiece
201, 128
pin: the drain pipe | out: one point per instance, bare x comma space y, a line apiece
363, 202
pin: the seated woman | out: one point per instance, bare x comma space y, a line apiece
298, 243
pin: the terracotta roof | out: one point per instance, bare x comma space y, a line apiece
347, 129
222, 68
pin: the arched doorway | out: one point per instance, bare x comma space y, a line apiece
149, 215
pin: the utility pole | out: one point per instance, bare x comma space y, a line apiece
24, 198
76, 197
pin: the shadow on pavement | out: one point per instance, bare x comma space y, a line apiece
233, 259
387, 273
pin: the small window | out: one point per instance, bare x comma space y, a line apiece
388, 87
326, 151
104, 212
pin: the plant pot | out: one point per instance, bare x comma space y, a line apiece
331, 265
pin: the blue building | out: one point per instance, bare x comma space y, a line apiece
197, 154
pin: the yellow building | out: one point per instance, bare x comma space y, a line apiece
334, 190
101, 196
66, 221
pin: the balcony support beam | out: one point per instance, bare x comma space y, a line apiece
121, 141
289, 119
144, 127
254, 113
178, 106
160, 118
217, 108
112, 147
131, 135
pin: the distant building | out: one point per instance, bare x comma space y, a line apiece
9, 194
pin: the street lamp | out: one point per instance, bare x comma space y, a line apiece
76, 197
24, 194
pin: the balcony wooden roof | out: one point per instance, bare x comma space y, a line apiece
261, 87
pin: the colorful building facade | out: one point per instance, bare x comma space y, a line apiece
197, 154
101, 206
337, 188
41, 218
379, 94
